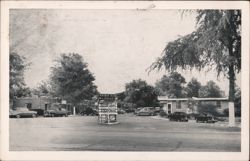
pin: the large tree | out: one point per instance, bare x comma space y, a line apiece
17, 84
193, 88
171, 85
210, 90
139, 93
216, 42
71, 80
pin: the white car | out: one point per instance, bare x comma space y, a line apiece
22, 112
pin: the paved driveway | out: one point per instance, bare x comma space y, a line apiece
134, 133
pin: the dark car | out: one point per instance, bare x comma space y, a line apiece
130, 110
40, 112
89, 112
56, 112
204, 117
178, 116
22, 112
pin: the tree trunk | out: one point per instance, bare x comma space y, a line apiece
231, 91
231, 83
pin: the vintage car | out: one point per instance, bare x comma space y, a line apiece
121, 111
56, 112
136, 111
206, 118
22, 112
146, 111
178, 116
130, 110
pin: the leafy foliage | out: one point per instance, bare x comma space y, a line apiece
71, 79
215, 43
139, 93
210, 90
43, 89
171, 85
17, 84
193, 88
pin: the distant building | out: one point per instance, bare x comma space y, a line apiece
215, 106
44, 103
40, 104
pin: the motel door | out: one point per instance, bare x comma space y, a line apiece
169, 108
46, 107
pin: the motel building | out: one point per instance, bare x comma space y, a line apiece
39, 104
215, 106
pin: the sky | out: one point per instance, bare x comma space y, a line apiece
118, 45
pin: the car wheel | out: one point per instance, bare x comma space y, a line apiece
33, 115
52, 115
18, 116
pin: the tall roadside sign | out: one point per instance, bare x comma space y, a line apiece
107, 109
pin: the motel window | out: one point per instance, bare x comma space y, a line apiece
218, 104
178, 104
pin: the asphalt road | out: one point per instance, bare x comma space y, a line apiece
133, 133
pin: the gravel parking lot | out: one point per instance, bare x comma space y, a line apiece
133, 133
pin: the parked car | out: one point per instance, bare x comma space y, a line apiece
56, 112
178, 116
40, 112
146, 111
205, 117
137, 111
22, 112
157, 111
130, 110
220, 119
121, 111
89, 111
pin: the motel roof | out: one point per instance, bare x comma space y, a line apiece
165, 98
210, 99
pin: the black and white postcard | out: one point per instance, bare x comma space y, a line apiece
126, 80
